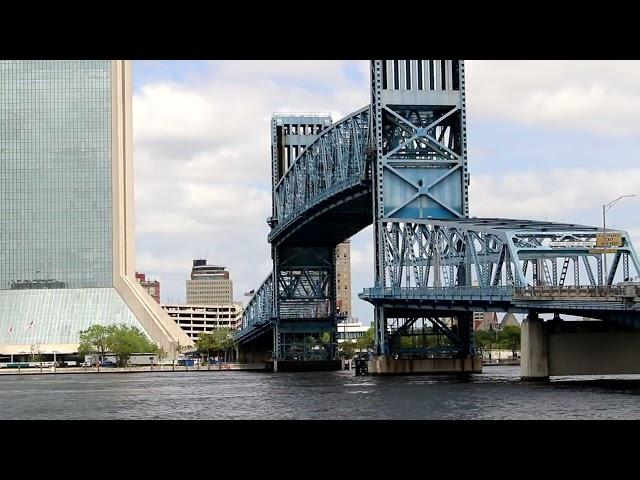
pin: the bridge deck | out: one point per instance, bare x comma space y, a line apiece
575, 300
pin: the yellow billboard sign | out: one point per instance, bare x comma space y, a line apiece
609, 239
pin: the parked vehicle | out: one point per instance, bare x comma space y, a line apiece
45, 364
86, 364
108, 364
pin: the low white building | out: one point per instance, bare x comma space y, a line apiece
196, 319
350, 330
499, 354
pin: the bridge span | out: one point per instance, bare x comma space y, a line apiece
400, 164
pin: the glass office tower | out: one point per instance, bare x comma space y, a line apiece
66, 207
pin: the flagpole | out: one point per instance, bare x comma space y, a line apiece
11, 332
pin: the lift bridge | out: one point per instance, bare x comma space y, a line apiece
401, 164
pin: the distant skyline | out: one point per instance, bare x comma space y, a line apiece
548, 140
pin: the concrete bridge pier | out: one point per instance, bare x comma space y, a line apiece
556, 348
533, 362
388, 365
276, 365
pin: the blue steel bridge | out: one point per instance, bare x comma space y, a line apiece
400, 163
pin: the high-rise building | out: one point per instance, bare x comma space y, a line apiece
66, 207
343, 278
151, 287
209, 284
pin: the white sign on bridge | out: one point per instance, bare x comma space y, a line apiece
573, 244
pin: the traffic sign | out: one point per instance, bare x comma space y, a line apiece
609, 239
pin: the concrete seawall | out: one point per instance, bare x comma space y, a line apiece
142, 369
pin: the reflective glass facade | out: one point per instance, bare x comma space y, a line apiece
55, 174
58, 315
56, 222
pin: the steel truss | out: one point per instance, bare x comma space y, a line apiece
259, 310
305, 282
418, 131
332, 162
496, 252
409, 148
425, 337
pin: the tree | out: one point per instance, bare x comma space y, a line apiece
224, 340
124, 340
406, 341
347, 348
219, 340
94, 340
36, 353
367, 341
325, 338
161, 352
205, 343
484, 340
510, 338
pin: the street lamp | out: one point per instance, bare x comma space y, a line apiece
605, 208
20, 361
54, 360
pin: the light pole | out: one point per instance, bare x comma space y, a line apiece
54, 360
605, 208
20, 361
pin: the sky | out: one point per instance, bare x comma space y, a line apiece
547, 140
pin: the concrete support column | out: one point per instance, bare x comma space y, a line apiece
382, 347
534, 362
465, 331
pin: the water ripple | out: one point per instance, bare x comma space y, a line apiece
495, 394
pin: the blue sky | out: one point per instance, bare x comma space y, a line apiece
547, 140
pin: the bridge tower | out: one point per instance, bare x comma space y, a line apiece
304, 293
419, 139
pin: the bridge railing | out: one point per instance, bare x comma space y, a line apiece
492, 252
334, 160
426, 352
260, 307
559, 292
453, 293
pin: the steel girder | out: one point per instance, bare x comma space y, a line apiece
442, 266
418, 131
335, 160
400, 328
493, 252
415, 128
305, 282
259, 309
419, 134
328, 164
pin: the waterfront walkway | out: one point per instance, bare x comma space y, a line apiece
137, 369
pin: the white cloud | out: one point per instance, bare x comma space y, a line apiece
203, 161
202, 154
555, 195
601, 97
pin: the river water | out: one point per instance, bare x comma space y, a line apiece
497, 393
